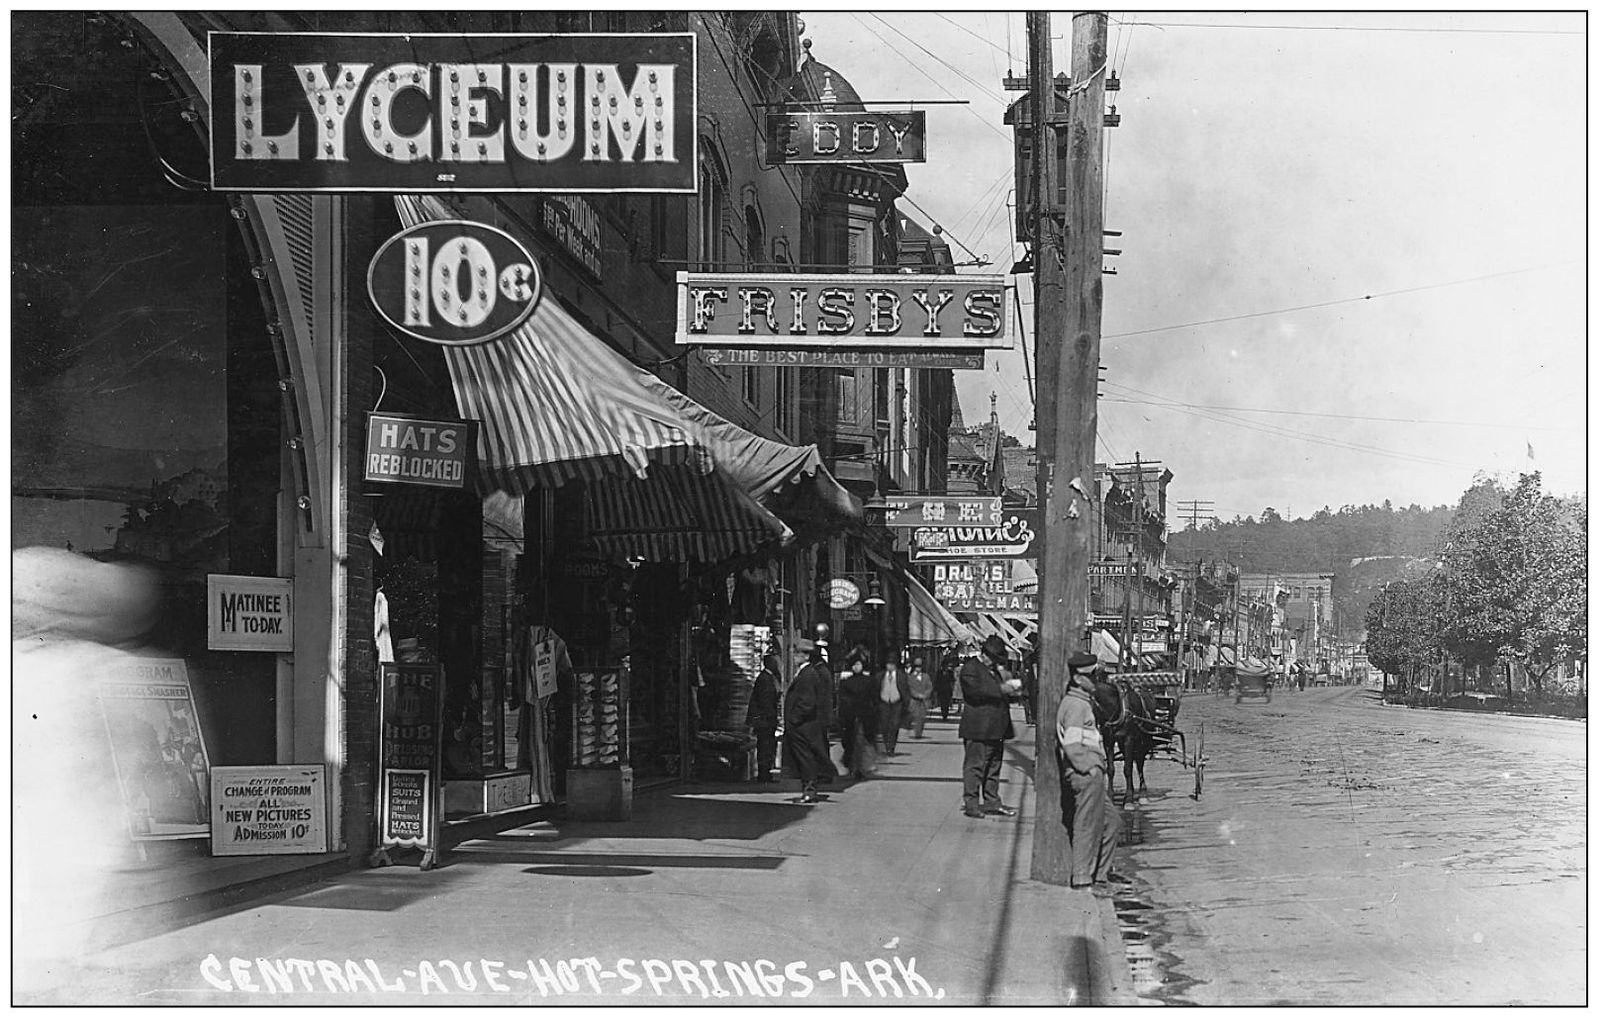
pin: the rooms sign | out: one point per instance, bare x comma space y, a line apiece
419, 112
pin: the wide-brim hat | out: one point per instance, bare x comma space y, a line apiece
995, 648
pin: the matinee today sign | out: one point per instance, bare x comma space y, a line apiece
307, 111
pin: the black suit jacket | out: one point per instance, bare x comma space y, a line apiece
808, 697
986, 709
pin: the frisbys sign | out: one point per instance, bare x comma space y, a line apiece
944, 312
832, 137
307, 111
453, 282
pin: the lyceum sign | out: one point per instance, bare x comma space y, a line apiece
463, 112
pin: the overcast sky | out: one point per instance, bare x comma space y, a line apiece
1276, 161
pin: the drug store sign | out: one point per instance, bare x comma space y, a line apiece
307, 111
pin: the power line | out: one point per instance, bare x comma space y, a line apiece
985, 89
945, 233
1335, 303
713, 37
967, 31
1359, 28
1168, 401
895, 49
1304, 436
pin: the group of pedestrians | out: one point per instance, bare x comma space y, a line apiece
875, 704
866, 705
1087, 812
869, 706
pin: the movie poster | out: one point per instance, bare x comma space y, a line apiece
157, 748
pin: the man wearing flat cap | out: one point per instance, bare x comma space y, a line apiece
984, 728
1089, 816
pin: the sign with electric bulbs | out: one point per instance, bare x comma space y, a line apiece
306, 111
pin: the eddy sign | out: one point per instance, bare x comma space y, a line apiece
306, 111
453, 282
861, 137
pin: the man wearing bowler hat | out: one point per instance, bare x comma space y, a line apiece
1089, 816
984, 728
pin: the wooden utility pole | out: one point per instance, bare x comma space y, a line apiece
1068, 259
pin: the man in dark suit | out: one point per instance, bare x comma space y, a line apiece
763, 715
984, 728
808, 716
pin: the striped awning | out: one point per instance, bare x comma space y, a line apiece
666, 478
929, 621
986, 624
675, 514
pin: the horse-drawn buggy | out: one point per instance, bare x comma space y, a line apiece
1254, 680
1137, 716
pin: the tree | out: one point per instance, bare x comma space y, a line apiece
1402, 627
1517, 577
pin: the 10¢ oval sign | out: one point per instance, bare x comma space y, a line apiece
454, 282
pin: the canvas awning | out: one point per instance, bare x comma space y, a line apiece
666, 477
1106, 648
988, 624
929, 621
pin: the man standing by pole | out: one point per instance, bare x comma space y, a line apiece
1089, 817
1068, 260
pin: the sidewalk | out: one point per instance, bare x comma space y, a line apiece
885, 893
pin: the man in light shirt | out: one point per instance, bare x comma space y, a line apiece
1088, 814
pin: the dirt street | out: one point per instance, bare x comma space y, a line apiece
1346, 853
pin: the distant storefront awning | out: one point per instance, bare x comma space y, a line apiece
929, 621
1106, 648
987, 624
666, 477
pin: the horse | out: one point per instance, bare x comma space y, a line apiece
1127, 718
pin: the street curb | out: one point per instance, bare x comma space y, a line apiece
1117, 971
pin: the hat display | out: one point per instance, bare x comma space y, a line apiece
995, 647
1082, 661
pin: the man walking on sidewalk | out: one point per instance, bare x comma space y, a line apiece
893, 703
920, 688
1089, 816
984, 727
945, 670
808, 713
763, 715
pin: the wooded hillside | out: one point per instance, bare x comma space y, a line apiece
1365, 547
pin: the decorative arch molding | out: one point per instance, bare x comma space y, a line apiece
281, 232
